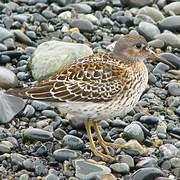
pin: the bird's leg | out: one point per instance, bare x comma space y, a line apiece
101, 141
92, 144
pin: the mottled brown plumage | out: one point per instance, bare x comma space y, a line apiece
99, 86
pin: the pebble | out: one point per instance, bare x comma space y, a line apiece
172, 7
134, 3
51, 177
175, 162
152, 120
147, 173
40, 106
168, 150
81, 8
10, 106
134, 131
155, 14
5, 34
7, 78
4, 149
87, 170
170, 23
161, 68
49, 113
64, 154
143, 18
52, 56
147, 162
37, 134
120, 168
83, 25
174, 89
73, 142
169, 39
148, 30
29, 111
157, 43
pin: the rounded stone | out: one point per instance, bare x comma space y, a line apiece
174, 89
148, 30
7, 78
64, 154
134, 131
52, 56
29, 111
73, 142
168, 150
174, 7
37, 134
155, 14
120, 168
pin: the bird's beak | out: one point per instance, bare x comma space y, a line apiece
154, 56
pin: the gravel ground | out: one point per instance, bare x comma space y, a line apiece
37, 141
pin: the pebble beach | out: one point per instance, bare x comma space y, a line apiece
40, 37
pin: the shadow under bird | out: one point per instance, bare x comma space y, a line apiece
99, 86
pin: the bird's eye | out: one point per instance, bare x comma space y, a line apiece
138, 45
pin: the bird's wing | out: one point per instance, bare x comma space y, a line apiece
95, 81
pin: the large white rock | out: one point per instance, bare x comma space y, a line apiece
51, 57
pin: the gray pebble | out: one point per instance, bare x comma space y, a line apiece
126, 159
49, 113
29, 111
174, 7
51, 177
38, 105
29, 165
64, 154
37, 134
73, 142
147, 162
157, 43
161, 68
120, 168
168, 150
4, 149
5, 34
174, 89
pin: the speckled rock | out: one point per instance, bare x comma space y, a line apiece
50, 57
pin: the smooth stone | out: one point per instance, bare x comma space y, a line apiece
73, 142
24, 177
173, 101
161, 68
52, 56
176, 130
21, 17
152, 78
64, 154
135, 3
5, 34
155, 14
147, 173
143, 18
83, 25
170, 23
49, 113
168, 150
7, 78
151, 120
65, 16
157, 43
48, 14
40, 106
37, 134
10, 106
51, 177
147, 162
126, 159
174, 7
4, 59
79, 37
173, 59
169, 39
29, 165
23, 38
3, 47
148, 30
134, 131
4, 149
122, 168
29, 111
81, 8
87, 170
175, 162
174, 89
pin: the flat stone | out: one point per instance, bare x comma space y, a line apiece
52, 56
168, 150
10, 106
135, 3
122, 168
87, 170
143, 18
157, 43
81, 7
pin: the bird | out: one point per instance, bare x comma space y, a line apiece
97, 87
